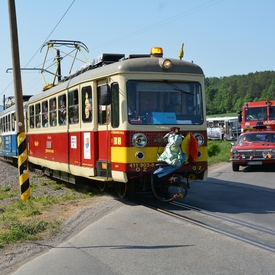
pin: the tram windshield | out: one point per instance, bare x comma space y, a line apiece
164, 102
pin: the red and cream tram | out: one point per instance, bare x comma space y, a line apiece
106, 123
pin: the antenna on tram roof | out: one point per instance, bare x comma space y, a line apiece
54, 44
181, 52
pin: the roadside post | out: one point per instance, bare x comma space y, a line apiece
21, 135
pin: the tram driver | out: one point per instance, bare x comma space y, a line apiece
147, 115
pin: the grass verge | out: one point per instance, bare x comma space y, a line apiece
30, 220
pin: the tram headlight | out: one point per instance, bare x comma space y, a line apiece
200, 138
139, 140
165, 64
140, 155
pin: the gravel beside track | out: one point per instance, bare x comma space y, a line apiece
75, 215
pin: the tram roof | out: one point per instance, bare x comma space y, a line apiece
119, 64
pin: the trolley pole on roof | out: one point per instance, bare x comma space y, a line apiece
21, 135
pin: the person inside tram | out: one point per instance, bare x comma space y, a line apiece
75, 115
62, 113
53, 114
131, 109
147, 116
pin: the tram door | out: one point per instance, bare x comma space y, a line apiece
103, 163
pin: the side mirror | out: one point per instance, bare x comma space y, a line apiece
240, 116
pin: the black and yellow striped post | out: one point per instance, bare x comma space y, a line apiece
21, 136
23, 166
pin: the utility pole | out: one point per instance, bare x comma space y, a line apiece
23, 168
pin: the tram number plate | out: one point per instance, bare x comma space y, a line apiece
254, 163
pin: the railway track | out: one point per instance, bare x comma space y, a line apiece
240, 230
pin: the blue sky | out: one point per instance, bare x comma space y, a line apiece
224, 37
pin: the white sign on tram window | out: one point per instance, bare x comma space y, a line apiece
73, 142
87, 146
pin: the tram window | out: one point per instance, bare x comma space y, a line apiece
53, 111
4, 124
62, 110
8, 123
115, 105
13, 121
73, 107
86, 93
45, 114
31, 116
174, 102
104, 114
38, 115
104, 104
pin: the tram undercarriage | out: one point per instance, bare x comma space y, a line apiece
166, 189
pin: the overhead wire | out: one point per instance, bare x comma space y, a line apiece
134, 33
43, 42
159, 24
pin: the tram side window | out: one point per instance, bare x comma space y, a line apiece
31, 116
4, 124
87, 104
38, 115
104, 106
13, 122
8, 123
53, 111
115, 105
45, 114
73, 107
1, 125
62, 110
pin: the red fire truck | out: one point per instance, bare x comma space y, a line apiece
253, 112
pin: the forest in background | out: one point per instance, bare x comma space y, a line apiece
228, 94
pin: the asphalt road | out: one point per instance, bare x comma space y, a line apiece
133, 239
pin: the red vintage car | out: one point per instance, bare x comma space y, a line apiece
253, 148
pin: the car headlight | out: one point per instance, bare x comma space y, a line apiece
139, 140
267, 154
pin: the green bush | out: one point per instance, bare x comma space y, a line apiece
213, 150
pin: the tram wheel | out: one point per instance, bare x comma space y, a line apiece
102, 186
169, 188
121, 189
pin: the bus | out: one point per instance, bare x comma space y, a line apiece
230, 126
